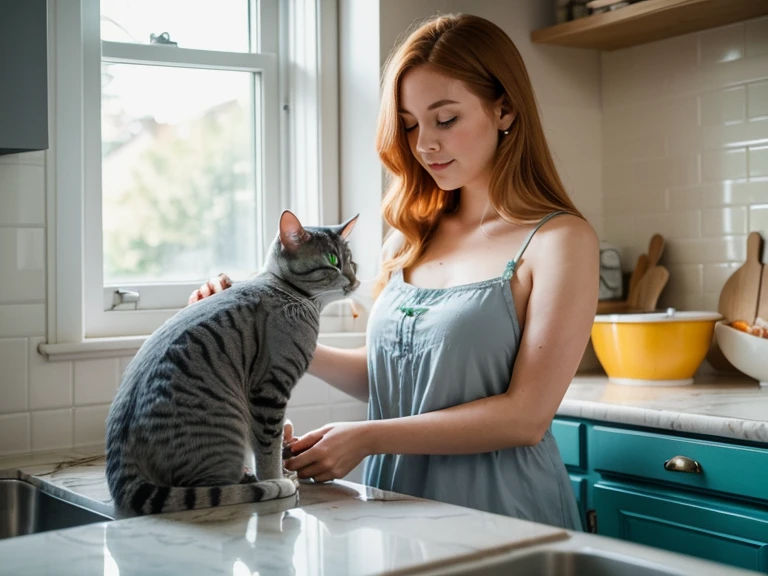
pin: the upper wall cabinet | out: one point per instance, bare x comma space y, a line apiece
23, 76
647, 21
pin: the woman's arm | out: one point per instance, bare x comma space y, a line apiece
345, 369
560, 313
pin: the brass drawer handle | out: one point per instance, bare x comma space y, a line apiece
683, 464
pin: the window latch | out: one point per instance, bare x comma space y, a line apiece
120, 297
163, 38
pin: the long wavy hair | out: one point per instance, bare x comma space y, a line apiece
524, 185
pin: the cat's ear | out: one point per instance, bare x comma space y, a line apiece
345, 229
292, 233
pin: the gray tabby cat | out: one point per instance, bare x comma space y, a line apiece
212, 383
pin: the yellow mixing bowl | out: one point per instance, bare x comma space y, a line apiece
653, 349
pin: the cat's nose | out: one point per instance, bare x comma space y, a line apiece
354, 286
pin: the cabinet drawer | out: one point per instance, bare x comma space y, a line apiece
725, 468
570, 441
705, 527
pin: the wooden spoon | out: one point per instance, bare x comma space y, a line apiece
655, 249
650, 287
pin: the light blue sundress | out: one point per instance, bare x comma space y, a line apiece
430, 349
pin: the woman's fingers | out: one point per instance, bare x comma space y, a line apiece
213, 286
288, 432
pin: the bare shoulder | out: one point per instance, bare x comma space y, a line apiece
568, 236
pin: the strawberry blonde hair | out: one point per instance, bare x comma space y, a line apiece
524, 185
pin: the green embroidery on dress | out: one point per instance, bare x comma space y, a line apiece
412, 310
509, 271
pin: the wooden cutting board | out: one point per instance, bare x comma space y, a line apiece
740, 294
739, 297
762, 303
649, 288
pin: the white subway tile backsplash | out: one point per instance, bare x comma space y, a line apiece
724, 221
724, 44
726, 193
723, 106
50, 383
351, 412
706, 250
757, 100
13, 377
22, 195
719, 165
14, 433
684, 224
52, 429
95, 381
90, 425
758, 222
22, 262
715, 276
758, 161
308, 418
308, 391
757, 37
687, 279
17, 320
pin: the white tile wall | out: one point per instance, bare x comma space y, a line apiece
685, 153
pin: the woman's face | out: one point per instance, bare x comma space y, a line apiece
450, 130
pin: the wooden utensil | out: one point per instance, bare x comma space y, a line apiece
650, 287
738, 299
637, 274
655, 249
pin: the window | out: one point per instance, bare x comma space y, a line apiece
182, 129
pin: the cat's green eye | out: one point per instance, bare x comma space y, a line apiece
333, 259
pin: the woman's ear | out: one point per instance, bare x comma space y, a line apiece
505, 116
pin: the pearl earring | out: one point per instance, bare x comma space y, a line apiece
506, 132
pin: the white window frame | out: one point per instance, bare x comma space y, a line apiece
308, 152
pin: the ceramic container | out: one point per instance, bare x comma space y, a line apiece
655, 348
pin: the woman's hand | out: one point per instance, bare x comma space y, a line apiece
330, 452
213, 286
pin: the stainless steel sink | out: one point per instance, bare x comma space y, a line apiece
561, 563
25, 509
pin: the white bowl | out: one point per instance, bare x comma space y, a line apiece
747, 353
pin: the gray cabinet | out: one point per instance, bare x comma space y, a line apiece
23, 76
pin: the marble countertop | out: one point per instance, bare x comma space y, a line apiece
725, 406
337, 529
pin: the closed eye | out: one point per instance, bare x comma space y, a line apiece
443, 124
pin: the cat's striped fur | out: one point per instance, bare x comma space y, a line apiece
212, 383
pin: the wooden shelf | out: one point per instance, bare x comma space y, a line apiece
648, 21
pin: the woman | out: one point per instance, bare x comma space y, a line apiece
488, 290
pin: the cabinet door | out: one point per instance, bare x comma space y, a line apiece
579, 485
704, 527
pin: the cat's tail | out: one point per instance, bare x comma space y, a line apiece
138, 496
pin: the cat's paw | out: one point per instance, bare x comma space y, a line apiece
248, 476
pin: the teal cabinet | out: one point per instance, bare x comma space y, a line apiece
702, 527
696, 495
